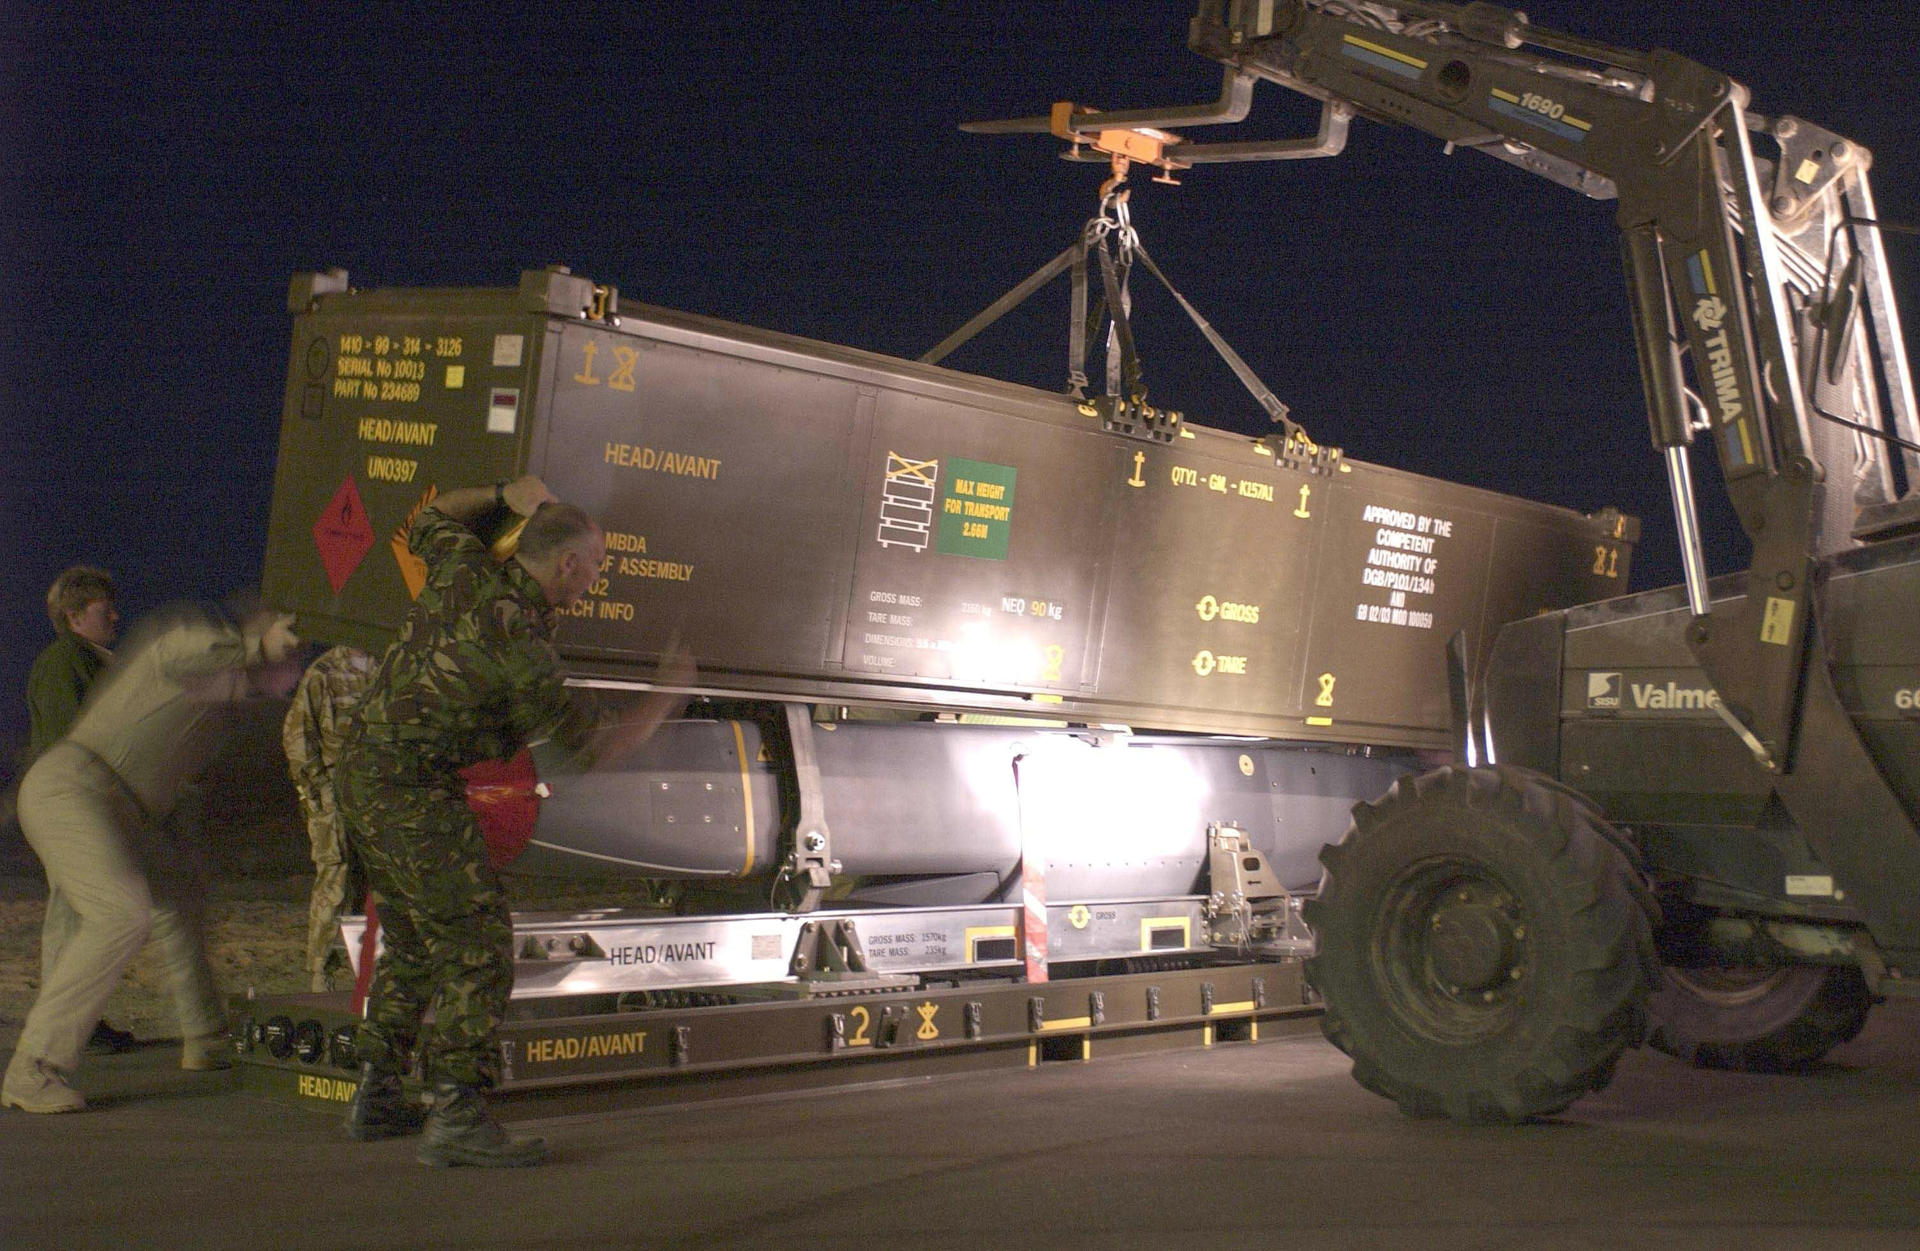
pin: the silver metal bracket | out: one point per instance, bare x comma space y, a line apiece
807, 873
1247, 908
831, 952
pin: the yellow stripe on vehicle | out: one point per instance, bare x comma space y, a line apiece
1370, 46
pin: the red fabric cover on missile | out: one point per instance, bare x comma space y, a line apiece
500, 792
369, 949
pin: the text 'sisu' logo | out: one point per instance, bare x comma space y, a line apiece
1603, 690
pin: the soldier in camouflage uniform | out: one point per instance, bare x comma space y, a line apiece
315, 726
472, 676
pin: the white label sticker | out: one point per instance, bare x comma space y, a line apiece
503, 410
507, 349
1810, 884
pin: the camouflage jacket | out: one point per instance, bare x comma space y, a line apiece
317, 719
473, 675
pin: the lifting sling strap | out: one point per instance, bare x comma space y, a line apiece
1115, 266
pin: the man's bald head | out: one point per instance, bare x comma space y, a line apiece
562, 547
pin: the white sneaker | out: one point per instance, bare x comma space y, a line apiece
32, 1086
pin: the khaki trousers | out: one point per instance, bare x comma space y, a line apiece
121, 880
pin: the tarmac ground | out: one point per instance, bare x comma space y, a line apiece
1264, 1144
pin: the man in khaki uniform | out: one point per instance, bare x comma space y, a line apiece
94, 809
315, 727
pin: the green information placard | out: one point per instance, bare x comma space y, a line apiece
976, 510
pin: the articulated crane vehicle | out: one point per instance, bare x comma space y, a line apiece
1685, 816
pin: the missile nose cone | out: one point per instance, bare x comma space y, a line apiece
505, 795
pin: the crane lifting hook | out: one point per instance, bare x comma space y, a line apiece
1124, 145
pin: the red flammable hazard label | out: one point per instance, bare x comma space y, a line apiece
343, 534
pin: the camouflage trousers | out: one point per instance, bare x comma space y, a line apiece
447, 933
338, 885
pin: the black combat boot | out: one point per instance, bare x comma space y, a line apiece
460, 1131
380, 1109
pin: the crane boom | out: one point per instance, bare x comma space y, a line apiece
1761, 308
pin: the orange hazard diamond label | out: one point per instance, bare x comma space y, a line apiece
413, 570
343, 534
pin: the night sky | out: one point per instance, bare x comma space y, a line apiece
795, 166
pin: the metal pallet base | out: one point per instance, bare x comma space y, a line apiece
562, 955
299, 1046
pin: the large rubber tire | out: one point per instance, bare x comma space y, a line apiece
1757, 1020
1485, 951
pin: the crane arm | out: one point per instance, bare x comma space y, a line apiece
1741, 266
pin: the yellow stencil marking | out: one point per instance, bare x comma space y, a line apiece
1777, 626
624, 359
899, 466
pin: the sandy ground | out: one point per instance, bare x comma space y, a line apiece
250, 819
257, 846
257, 939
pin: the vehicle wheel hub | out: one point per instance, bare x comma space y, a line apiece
1471, 945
